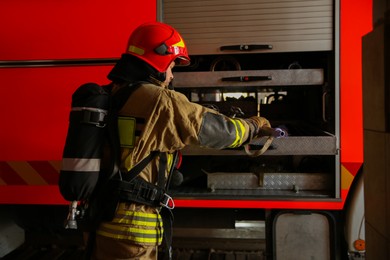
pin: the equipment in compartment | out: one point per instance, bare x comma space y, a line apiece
269, 181
243, 177
300, 165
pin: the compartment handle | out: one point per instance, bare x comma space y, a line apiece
246, 47
324, 106
247, 78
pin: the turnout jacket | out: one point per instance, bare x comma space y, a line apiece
165, 121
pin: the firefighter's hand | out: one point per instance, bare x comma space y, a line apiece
259, 123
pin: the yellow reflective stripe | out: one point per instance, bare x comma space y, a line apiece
180, 43
126, 129
130, 233
137, 222
136, 50
170, 160
138, 218
128, 229
240, 130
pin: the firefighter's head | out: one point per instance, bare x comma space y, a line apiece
158, 44
152, 50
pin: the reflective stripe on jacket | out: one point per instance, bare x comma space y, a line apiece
132, 223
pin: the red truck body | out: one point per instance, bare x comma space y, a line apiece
36, 98
49, 48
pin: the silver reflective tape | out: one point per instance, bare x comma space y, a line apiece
92, 109
81, 164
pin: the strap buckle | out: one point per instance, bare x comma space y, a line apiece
94, 116
167, 202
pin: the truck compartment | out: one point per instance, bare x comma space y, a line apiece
294, 92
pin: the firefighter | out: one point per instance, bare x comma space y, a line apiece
161, 120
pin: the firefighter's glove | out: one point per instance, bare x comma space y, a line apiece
258, 124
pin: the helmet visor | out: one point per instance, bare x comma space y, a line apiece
182, 61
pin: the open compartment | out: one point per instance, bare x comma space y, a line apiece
295, 97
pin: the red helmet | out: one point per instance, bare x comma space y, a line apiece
158, 44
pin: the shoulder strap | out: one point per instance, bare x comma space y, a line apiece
117, 101
129, 176
161, 170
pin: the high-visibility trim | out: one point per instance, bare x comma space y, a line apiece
138, 218
138, 214
81, 164
136, 226
92, 109
179, 44
212, 127
170, 160
139, 235
240, 130
138, 221
119, 228
126, 127
346, 178
136, 50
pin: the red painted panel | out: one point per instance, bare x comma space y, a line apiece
46, 29
263, 204
24, 194
35, 109
356, 21
36, 101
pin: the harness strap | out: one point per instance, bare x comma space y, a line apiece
141, 191
136, 189
129, 176
89, 115
161, 170
172, 169
167, 216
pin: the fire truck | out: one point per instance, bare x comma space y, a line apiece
295, 62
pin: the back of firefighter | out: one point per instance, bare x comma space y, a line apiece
156, 118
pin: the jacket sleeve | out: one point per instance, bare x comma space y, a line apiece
192, 124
